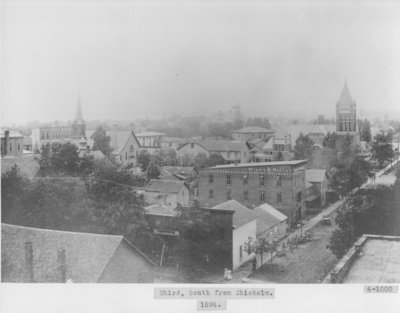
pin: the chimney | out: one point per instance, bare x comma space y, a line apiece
62, 267
114, 137
6, 136
29, 261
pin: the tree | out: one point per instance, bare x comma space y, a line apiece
143, 159
200, 160
365, 130
215, 159
13, 187
330, 140
382, 147
260, 246
60, 158
358, 172
116, 204
303, 147
152, 171
372, 211
201, 243
101, 141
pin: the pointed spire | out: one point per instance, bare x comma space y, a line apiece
78, 117
345, 98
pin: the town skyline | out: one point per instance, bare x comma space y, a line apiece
271, 59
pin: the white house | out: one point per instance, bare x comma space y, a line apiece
170, 193
271, 223
317, 183
243, 228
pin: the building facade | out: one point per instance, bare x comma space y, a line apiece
51, 134
282, 184
346, 119
251, 132
11, 144
231, 151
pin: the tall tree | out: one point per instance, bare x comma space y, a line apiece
365, 130
60, 158
330, 140
215, 159
382, 147
303, 147
143, 159
101, 141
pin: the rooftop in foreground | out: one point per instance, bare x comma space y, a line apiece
373, 259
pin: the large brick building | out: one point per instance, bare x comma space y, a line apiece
281, 184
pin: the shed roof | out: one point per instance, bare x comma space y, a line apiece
87, 254
160, 209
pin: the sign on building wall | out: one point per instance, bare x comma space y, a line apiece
274, 171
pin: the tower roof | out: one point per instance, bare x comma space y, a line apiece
345, 98
78, 117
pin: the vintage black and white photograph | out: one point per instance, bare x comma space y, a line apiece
200, 142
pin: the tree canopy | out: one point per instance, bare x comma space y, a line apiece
382, 147
372, 211
303, 147
101, 141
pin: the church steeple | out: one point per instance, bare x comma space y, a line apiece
78, 116
78, 126
346, 120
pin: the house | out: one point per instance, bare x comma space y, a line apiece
373, 259
11, 143
51, 256
167, 192
243, 228
150, 140
316, 188
231, 151
124, 143
317, 132
271, 223
252, 132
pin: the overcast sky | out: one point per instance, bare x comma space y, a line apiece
130, 59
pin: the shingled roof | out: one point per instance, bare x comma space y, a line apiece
164, 186
87, 255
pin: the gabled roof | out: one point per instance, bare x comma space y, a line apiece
267, 217
253, 129
122, 138
242, 215
164, 186
219, 145
160, 210
87, 255
315, 175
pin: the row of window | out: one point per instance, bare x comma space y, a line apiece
246, 180
261, 195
